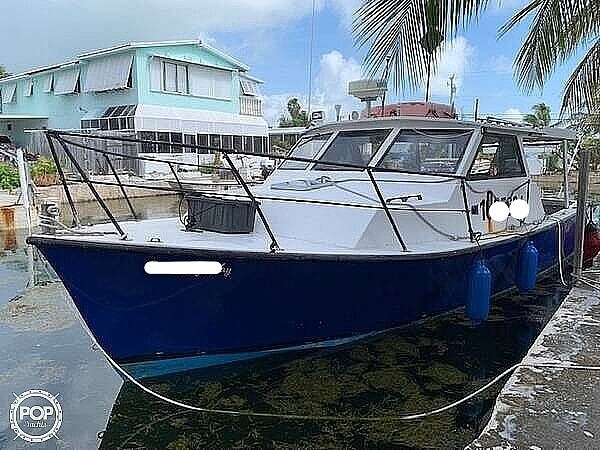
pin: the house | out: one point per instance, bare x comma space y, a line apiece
173, 92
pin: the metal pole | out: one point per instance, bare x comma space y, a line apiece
24, 187
76, 222
91, 187
582, 196
24, 182
387, 210
565, 150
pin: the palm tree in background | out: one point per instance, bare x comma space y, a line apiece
558, 30
3, 72
539, 116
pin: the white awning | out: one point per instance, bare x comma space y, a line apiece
65, 81
48, 83
108, 73
28, 92
8, 93
249, 87
193, 121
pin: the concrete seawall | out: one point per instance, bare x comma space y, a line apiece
545, 405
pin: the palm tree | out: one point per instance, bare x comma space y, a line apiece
558, 30
3, 72
539, 116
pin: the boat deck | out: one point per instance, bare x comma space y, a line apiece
171, 233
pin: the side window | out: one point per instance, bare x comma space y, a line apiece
498, 156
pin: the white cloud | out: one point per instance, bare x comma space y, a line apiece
331, 83
346, 9
330, 87
97, 24
500, 64
513, 114
455, 59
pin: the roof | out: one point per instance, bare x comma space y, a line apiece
20, 117
128, 46
411, 122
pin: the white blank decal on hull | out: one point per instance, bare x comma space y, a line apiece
183, 268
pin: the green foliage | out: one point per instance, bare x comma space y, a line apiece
539, 117
9, 177
43, 171
298, 117
553, 162
3, 72
282, 143
557, 31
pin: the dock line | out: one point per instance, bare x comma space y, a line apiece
130, 378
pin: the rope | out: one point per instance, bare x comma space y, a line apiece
329, 418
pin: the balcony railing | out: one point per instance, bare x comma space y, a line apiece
250, 106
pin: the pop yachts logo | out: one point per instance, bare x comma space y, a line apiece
35, 415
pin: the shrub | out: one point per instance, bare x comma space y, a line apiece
9, 177
43, 171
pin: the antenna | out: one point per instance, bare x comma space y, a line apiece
310, 61
452, 86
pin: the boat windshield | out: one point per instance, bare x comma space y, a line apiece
427, 151
308, 147
353, 147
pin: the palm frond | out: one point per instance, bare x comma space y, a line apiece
558, 29
397, 29
582, 91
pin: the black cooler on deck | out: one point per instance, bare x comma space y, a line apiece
219, 215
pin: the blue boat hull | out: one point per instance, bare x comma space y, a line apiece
265, 302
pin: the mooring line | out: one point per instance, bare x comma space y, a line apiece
557, 364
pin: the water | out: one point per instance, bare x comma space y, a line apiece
414, 369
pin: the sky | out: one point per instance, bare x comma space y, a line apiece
272, 37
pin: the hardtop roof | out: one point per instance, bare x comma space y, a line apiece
412, 122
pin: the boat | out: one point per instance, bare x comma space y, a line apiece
364, 226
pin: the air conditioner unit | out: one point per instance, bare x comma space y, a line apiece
367, 90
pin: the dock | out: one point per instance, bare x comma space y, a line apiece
545, 404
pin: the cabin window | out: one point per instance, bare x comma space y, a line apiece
498, 156
308, 148
353, 147
426, 151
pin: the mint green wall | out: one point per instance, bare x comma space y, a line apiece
193, 54
65, 111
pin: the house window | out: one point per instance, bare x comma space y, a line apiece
258, 148
202, 142
189, 139
215, 140
248, 144
498, 156
227, 142
164, 146
176, 138
238, 143
148, 147
175, 78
